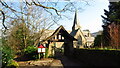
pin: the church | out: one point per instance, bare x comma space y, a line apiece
85, 38
67, 40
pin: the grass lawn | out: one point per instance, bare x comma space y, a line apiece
100, 49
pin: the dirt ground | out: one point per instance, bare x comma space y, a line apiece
84, 60
59, 61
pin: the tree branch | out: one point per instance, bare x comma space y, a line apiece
3, 20
5, 4
46, 7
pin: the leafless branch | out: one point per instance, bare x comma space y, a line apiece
38, 4
46, 7
5, 5
3, 20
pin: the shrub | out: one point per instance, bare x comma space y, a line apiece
31, 51
7, 55
13, 64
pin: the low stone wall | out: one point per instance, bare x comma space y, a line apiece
98, 57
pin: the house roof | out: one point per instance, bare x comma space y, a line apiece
63, 32
41, 46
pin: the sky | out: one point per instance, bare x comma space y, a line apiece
90, 17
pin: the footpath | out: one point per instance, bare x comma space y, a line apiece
59, 62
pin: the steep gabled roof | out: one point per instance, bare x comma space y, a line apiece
61, 30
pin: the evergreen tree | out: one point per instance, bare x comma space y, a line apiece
111, 17
98, 41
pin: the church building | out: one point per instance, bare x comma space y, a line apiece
67, 40
84, 37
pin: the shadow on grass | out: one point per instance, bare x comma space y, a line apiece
98, 58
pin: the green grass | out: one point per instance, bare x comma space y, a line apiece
100, 49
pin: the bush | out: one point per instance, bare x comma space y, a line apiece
7, 55
13, 64
31, 51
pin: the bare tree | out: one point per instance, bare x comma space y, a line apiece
37, 16
52, 8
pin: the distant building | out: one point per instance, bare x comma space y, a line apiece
89, 38
85, 38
